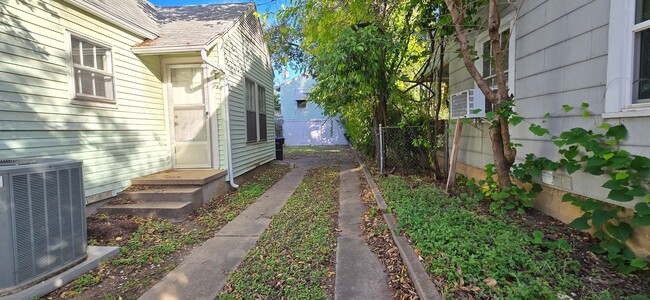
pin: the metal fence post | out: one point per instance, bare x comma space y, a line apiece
381, 149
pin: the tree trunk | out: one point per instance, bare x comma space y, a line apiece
503, 153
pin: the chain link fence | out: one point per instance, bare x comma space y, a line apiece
412, 149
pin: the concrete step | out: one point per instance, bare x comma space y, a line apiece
166, 194
196, 177
175, 211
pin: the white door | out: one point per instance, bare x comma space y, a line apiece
190, 130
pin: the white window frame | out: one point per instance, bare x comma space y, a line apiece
90, 100
256, 100
619, 93
507, 22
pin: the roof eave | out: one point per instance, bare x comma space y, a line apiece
158, 50
110, 18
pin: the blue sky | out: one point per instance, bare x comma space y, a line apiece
262, 5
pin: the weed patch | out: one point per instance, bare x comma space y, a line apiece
478, 255
295, 256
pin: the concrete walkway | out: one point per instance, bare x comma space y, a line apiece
359, 273
205, 271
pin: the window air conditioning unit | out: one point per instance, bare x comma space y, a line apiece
465, 103
42, 220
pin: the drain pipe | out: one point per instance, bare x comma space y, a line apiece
231, 172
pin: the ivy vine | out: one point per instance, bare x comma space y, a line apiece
594, 153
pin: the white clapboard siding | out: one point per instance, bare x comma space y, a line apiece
37, 118
245, 56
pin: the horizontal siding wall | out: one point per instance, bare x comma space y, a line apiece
246, 59
217, 92
561, 58
37, 118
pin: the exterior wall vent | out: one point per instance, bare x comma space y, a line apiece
465, 104
42, 220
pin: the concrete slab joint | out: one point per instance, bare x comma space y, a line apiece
421, 280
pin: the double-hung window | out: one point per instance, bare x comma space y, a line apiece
641, 29
261, 112
485, 62
92, 71
489, 71
256, 127
628, 60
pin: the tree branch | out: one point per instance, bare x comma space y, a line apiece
456, 10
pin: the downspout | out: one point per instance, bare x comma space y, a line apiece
231, 172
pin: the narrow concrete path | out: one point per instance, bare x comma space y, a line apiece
205, 271
359, 273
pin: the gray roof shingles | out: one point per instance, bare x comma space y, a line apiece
176, 26
197, 24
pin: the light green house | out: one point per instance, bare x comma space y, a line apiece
132, 89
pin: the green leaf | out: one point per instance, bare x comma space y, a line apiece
622, 232
476, 111
611, 142
638, 263
621, 175
639, 221
491, 115
642, 209
580, 223
607, 156
640, 163
584, 105
594, 170
589, 204
515, 120
620, 195
569, 197
646, 198
567, 108
636, 191
595, 161
603, 126
538, 130
538, 237
617, 132
559, 143
571, 167
600, 217
586, 114
547, 116
613, 184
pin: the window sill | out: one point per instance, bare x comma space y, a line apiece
256, 142
638, 110
94, 103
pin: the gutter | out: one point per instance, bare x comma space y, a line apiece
231, 172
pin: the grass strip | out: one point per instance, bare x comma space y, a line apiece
296, 152
295, 256
223, 210
478, 256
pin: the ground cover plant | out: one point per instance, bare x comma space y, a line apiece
295, 256
150, 248
472, 253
